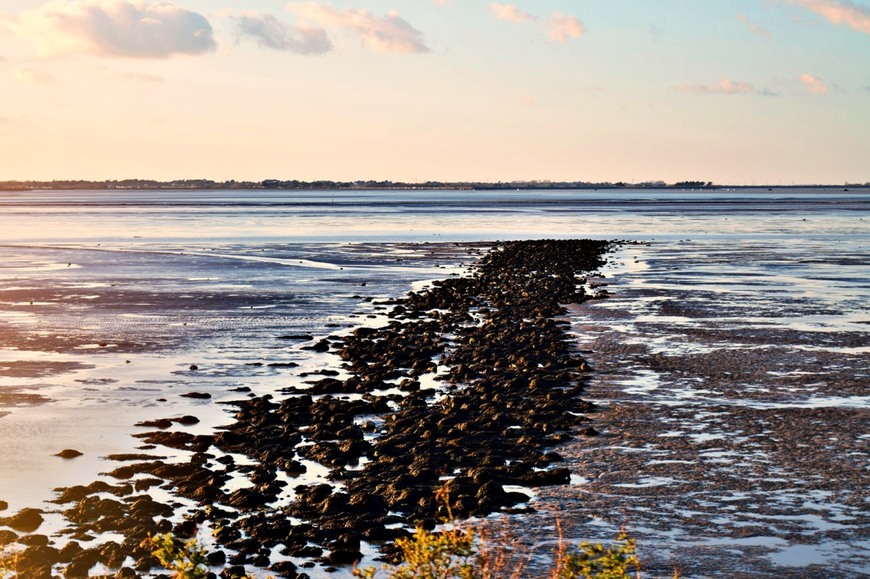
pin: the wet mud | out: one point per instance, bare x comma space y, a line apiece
734, 436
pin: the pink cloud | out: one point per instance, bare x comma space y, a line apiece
839, 12
564, 27
814, 84
270, 32
721, 87
389, 33
130, 28
511, 12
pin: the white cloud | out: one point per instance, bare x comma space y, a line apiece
814, 84
389, 33
129, 28
564, 27
839, 12
511, 12
272, 33
722, 87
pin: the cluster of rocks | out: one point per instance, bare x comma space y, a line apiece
509, 384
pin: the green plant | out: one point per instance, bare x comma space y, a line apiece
8, 563
458, 553
596, 561
471, 551
186, 559
427, 555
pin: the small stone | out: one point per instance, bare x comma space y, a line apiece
187, 420
68, 453
26, 521
194, 367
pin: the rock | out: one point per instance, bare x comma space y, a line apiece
36, 562
321, 346
26, 520
297, 337
283, 365
69, 552
284, 569
7, 537
36, 540
216, 558
343, 556
162, 423
232, 572
554, 476
186, 420
68, 453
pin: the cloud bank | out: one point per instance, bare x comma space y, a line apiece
722, 87
389, 33
839, 12
272, 33
129, 28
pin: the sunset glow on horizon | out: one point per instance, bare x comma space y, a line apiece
739, 92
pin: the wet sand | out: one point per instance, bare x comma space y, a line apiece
734, 427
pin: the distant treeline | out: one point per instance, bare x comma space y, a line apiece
327, 185
362, 185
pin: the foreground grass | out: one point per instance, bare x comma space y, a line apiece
476, 551
468, 553
458, 551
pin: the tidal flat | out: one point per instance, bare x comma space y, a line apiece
723, 417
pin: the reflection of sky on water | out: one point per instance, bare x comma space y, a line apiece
132, 217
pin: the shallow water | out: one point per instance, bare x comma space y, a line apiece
739, 323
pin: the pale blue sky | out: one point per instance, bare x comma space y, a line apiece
763, 91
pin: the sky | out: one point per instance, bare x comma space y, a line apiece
734, 92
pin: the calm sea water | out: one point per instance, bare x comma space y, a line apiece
108, 297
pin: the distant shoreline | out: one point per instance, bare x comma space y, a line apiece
294, 185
